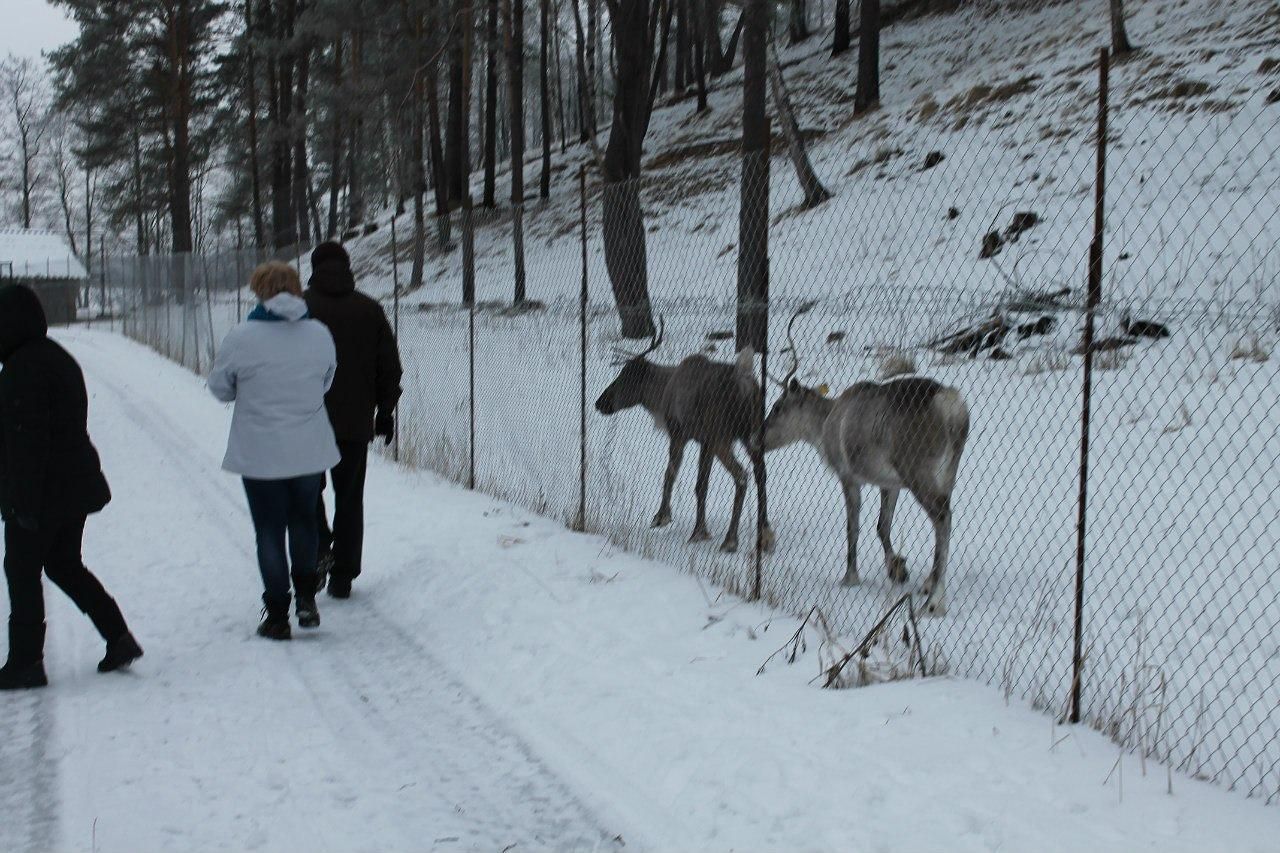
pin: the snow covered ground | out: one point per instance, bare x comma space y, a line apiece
498, 681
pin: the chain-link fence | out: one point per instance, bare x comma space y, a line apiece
1100, 321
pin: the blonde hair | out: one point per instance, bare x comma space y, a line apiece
273, 278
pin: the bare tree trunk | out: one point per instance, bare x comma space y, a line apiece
868, 92
814, 192
564, 139
625, 252
699, 57
840, 36
438, 177
544, 83
681, 76
301, 167
491, 108
355, 143
753, 216
1120, 45
335, 147
586, 118
798, 22
515, 76
251, 95
418, 177
593, 62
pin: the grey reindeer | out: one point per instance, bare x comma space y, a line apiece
906, 432
711, 403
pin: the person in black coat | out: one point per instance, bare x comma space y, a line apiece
50, 482
361, 403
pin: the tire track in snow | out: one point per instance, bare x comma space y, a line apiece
392, 701
29, 789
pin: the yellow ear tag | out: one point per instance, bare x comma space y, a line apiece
823, 390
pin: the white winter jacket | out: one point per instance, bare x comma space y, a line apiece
276, 366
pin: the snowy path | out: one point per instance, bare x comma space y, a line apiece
349, 728
498, 681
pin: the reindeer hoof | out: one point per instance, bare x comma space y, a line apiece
898, 569
851, 579
700, 536
661, 520
730, 546
767, 540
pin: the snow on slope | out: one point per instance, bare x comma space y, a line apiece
1008, 95
497, 680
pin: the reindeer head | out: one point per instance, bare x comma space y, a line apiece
628, 388
793, 415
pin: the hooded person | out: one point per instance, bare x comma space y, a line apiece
50, 482
361, 404
276, 367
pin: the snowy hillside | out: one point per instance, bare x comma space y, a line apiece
1007, 95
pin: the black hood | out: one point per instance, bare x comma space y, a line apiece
21, 319
331, 270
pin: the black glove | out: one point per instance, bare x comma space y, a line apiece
384, 425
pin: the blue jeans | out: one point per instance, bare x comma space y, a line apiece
281, 508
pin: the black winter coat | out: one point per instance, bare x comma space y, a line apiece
49, 469
368, 377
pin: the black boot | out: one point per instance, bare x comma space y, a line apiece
121, 652
25, 668
275, 620
339, 586
308, 613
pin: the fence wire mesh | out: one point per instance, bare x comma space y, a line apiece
956, 248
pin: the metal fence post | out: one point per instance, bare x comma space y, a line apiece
580, 523
395, 315
1093, 300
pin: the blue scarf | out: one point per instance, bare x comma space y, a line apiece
262, 312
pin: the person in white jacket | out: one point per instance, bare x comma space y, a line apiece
276, 367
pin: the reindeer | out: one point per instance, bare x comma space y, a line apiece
902, 432
708, 402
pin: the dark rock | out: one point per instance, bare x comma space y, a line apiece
1022, 221
1043, 326
932, 159
953, 213
992, 244
1146, 329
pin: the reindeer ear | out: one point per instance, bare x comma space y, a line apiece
793, 385
823, 390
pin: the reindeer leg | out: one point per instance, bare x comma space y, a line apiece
739, 475
852, 507
938, 507
700, 533
675, 457
896, 563
767, 539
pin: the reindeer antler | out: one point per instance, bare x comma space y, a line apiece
805, 308
622, 356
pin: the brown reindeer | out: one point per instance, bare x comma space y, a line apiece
704, 401
907, 432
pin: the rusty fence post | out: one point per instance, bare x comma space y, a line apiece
1093, 300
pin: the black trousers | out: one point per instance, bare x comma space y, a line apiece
345, 539
55, 551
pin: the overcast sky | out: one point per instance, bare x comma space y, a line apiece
30, 26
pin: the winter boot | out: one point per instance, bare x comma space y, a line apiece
339, 587
25, 668
308, 613
121, 652
275, 621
